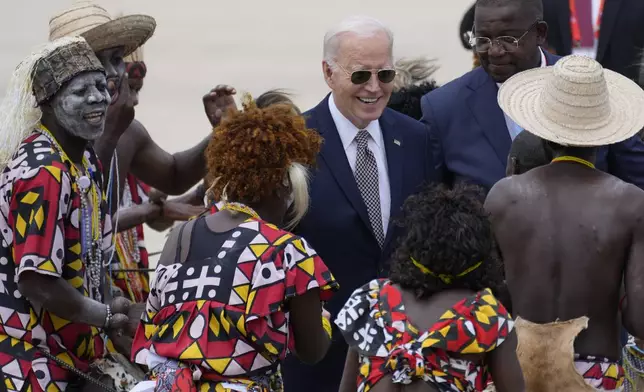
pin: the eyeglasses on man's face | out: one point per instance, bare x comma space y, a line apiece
506, 42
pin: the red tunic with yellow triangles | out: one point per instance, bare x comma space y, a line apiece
224, 310
39, 226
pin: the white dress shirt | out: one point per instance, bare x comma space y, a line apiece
513, 127
348, 132
590, 52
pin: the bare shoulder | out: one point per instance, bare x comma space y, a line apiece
137, 129
632, 200
133, 138
500, 193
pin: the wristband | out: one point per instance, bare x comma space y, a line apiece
108, 317
326, 324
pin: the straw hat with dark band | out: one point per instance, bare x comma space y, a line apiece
93, 22
574, 103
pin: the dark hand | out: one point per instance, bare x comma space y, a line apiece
156, 196
120, 305
180, 211
122, 342
134, 315
118, 324
217, 102
121, 112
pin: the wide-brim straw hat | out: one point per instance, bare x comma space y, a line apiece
135, 57
574, 103
93, 22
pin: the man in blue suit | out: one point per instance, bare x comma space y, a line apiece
470, 135
371, 160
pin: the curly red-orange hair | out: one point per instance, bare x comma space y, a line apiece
251, 151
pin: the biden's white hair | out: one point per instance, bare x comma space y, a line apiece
362, 26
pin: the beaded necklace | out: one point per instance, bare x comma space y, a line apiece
90, 215
239, 207
129, 255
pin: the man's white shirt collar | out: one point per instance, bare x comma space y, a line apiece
348, 131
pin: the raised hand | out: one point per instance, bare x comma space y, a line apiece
219, 101
121, 111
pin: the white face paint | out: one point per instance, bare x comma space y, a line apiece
81, 105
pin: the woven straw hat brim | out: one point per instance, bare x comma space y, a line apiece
520, 98
131, 32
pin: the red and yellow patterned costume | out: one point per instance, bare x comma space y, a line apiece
131, 252
39, 223
374, 322
224, 316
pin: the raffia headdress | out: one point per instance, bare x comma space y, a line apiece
36, 79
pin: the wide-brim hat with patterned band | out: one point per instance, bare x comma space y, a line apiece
576, 102
93, 22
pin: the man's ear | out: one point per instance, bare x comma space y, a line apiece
327, 70
542, 33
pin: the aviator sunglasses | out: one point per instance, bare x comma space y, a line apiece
363, 76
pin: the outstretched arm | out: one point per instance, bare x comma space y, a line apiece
171, 173
61, 299
167, 213
192, 198
135, 215
174, 174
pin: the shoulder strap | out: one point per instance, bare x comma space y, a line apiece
185, 237
177, 246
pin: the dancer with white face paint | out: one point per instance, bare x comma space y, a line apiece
79, 107
53, 221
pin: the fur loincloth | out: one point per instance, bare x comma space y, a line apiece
547, 357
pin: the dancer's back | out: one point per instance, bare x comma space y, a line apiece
568, 234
